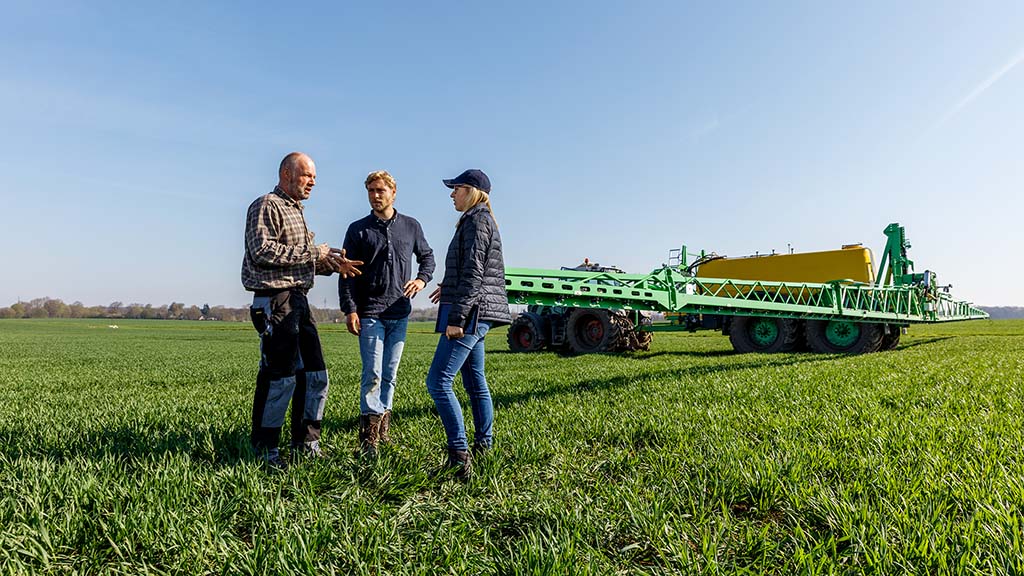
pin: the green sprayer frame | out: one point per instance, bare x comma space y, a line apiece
898, 296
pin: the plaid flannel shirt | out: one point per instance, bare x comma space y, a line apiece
279, 249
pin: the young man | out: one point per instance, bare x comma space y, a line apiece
377, 303
278, 267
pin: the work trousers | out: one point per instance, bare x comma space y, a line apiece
291, 369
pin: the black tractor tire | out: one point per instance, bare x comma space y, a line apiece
801, 337
766, 335
843, 337
590, 330
528, 333
891, 339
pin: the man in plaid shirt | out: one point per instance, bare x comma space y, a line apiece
278, 268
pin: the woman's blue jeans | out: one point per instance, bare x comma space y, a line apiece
465, 355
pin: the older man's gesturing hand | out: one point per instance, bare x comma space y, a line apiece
337, 261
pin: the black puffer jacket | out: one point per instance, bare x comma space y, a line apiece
474, 270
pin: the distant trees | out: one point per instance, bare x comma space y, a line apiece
55, 308
1004, 312
174, 310
423, 315
151, 313
192, 313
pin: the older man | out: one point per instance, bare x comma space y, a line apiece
278, 268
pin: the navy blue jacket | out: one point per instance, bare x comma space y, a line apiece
474, 270
386, 249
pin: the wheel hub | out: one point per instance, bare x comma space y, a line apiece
764, 332
594, 331
842, 333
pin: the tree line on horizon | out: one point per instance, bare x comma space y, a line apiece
56, 308
1004, 312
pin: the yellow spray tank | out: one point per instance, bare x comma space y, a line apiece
852, 262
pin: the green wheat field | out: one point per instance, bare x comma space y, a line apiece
125, 451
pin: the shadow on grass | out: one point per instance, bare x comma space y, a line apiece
633, 355
690, 353
505, 400
922, 342
642, 355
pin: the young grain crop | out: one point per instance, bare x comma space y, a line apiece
125, 451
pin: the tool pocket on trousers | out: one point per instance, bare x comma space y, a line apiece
280, 307
259, 313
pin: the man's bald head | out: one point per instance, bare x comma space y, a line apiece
297, 175
292, 160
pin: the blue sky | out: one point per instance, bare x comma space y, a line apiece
136, 134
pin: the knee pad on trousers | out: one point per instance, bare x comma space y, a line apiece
278, 397
317, 384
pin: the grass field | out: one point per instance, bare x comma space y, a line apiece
124, 451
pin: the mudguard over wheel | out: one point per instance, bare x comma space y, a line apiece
759, 334
591, 330
843, 336
527, 333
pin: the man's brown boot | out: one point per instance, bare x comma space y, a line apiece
385, 427
369, 434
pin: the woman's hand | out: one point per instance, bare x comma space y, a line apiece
454, 333
435, 296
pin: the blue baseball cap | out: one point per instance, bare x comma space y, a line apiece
472, 177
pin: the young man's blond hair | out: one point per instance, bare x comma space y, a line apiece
381, 175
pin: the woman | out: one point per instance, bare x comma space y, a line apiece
472, 294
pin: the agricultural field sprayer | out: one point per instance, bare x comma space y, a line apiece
827, 302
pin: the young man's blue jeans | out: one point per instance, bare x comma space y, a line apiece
466, 355
381, 342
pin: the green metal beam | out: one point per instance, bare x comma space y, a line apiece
666, 290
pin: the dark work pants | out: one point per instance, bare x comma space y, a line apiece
291, 368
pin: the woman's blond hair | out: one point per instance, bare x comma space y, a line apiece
478, 196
